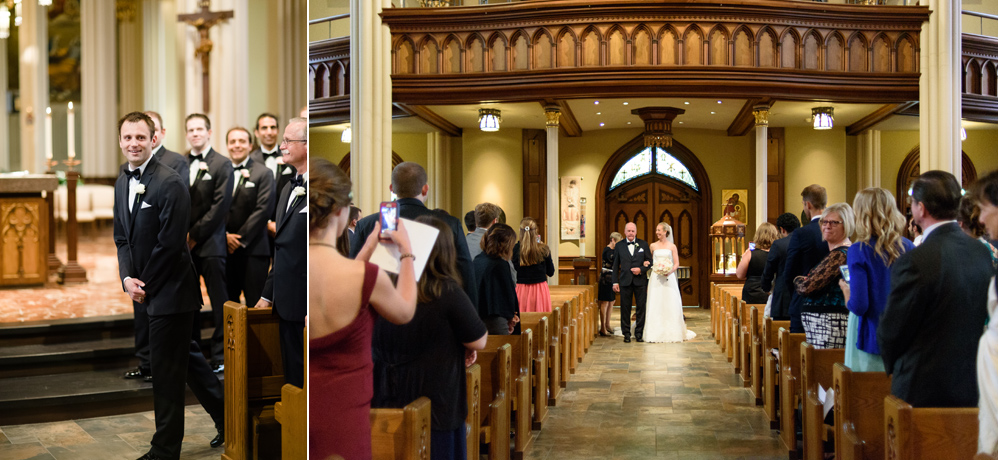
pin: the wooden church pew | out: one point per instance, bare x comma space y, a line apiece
496, 366
789, 388
254, 376
292, 413
521, 347
402, 434
928, 432
859, 413
752, 350
816, 369
553, 320
574, 324
473, 386
771, 376
565, 339
540, 369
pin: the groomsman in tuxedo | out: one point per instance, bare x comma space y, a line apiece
269, 153
287, 282
805, 249
253, 198
632, 259
151, 210
211, 196
937, 306
165, 156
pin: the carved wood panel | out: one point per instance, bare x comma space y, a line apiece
23, 241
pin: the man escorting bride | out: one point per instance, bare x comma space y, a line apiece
664, 312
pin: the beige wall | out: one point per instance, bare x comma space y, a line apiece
895, 146
493, 171
815, 157
324, 9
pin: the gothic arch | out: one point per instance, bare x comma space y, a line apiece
910, 169
345, 162
699, 173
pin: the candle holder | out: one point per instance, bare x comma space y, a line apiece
51, 164
70, 163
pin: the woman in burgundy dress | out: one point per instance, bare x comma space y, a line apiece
343, 301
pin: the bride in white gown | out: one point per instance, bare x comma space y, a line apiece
664, 308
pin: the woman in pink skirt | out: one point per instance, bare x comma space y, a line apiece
533, 263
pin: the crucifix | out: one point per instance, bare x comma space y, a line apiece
204, 20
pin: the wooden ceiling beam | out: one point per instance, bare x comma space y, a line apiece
435, 120
567, 124
877, 116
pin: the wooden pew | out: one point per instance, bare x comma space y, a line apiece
586, 311
816, 369
540, 370
553, 348
928, 432
789, 387
859, 409
717, 300
254, 376
565, 346
751, 370
771, 376
292, 413
402, 434
496, 366
521, 348
473, 385
574, 324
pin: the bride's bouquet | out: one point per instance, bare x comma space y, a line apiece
662, 267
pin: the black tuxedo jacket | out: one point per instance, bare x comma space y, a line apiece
804, 251
176, 162
411, 208
935, 313
623, 261
287, 282
152, 240
211, 196
775, 267
252, 205
282, 176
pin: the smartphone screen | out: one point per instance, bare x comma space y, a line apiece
845, 272
389, 216
751, 246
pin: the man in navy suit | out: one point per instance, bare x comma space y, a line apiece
630, 279
805, 249
151, 209
253, 198
287, 282
775, 264
211, 196
937, 307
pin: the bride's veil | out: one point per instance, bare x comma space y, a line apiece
668, 234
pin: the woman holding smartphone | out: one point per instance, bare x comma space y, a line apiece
823, 311
879, 243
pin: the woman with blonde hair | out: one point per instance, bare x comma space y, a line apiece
664, 320
754, 262
606, 295
879, 242
532, 260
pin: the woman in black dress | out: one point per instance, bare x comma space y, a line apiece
606, 295
497, 303
427, 356
754, 262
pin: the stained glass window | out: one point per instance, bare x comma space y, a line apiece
665, 164
668, 165
639, 165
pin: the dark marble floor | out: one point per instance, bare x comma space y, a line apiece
122, 437
640, 400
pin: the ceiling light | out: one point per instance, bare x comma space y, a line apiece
601, 125
628, 122
680, 122
718, 102
4, 21
44, 2
963, 132
347, 136
687, 102
489, 119
596, 102
625, 103
823, 117
713, 113
599, 113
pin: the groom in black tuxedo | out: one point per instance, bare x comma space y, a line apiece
630, 278
151, 210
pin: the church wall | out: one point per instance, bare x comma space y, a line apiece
980, 147
324, 9
493, 171
815, 157
895, 146
411, 147
852, 169
327, 144
263, 41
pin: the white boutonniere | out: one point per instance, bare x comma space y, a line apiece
202, 166
245, 174
280, 160
139, 189
298, 191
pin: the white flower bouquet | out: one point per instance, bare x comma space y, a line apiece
662, 267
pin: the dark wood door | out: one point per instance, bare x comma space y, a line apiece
654, 199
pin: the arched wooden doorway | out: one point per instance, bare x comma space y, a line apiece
647, 186
345, 162
910, 169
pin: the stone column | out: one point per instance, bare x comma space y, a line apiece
761, 164
438, 167
553, 203
4, 122
370, 103
292, 42
940, 87
162, 89
230, 71
34, 84
100, 154
868, 159
131, 72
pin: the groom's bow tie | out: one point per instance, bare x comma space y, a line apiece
193, 157
631, 243
134, 174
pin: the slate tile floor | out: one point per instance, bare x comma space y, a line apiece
625, 401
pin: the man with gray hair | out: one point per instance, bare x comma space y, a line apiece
409, 182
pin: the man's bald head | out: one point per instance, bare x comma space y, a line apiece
630, 231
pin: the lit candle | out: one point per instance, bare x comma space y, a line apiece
71, 129
48, 133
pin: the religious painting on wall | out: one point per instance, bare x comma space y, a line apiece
571, 207
733, 204
64, 51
